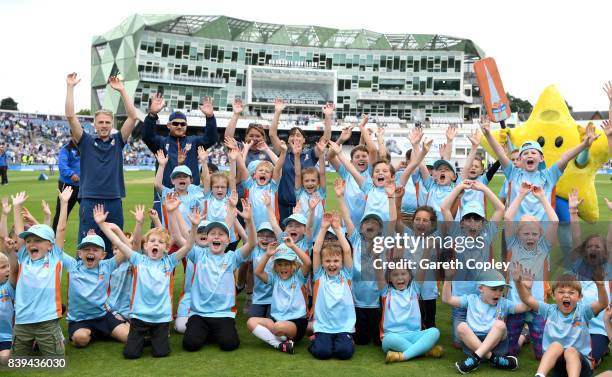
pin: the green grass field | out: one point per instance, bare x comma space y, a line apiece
253, 358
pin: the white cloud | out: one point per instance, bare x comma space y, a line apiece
535, 43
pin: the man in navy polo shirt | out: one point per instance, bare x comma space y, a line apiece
101, 164
180, 148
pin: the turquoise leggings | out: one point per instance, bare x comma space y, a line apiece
412, 343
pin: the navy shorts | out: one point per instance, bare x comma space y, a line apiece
5, 346
260, 310
100, 327
501, 349
585, 367
301, 324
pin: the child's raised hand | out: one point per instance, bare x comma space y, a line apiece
335, 147
247, 210
202, 155
91, 232
516, 269
19, 198
416, 134
606, 126
138, 213
161, 157
485, 126
267, 201
45, 208
98, 214
320, 145
335, 221
327, 220
380, 134
288, 241
451, 132
525, 188
271, 248
390, 188
538, 191
237, 106
65, 194
314, 201
247, 145
230, 143
427, 145
283, 146
346, 133
233, 154
172, 202
475, 138
339, 186
399, 192
478, 186
574, 202
328, 109
297, 208
27, 216
598, 275
232, 200
6, 207
10, 244
364, 120
181, 157
153, 214
195, 216
279, 105
609, 203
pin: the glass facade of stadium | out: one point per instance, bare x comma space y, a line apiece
412, 77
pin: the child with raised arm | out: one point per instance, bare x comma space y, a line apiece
181, 178
566, 344
590, 256
442, 180
310, 182
365, 291
533, 171
529, 242
213, 312
122, 278
484, 332
287, 278
8, 280
374, 188
333, 307
361, 158
265, 179
151, 307
88, 284
474, 225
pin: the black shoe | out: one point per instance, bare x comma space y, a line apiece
286, 346
468, 365
504, 362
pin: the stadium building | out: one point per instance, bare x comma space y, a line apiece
396, 78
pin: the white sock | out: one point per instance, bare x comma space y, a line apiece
266, 335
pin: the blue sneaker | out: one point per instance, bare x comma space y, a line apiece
504, 362
468, 365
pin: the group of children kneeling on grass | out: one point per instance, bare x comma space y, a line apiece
315, 276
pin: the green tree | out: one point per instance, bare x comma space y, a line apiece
84, 112
8, 103
519, 105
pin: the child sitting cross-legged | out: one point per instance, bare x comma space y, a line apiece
288, 309
484, 332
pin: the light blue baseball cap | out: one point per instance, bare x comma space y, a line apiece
297, 217
440, 163
217, 224
372, 215
284, 253
265, 226
531, 144
473, 207
40, 230
181, 169
253, 166
94, 240
492, 279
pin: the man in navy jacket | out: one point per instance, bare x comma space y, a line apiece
69, 161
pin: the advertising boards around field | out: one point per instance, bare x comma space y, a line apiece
492, 90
